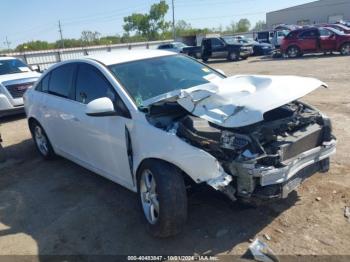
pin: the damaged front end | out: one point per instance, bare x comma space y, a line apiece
266, 159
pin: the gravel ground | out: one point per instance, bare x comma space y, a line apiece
57, 207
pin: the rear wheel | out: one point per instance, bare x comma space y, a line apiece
345, 49
41, 141
163, 198
293, 52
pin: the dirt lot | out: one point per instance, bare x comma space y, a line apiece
58, 207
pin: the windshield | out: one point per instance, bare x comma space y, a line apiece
12, 66
149, 78
231, 40
180, 45
338, 32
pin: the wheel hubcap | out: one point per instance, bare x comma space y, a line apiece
41, 140
149, 198
293, 52
346, 50
233, 56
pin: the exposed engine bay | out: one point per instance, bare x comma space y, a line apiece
246, 152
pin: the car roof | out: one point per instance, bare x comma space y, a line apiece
124, 56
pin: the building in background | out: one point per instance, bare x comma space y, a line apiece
322, 11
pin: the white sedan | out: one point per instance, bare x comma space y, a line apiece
157, 122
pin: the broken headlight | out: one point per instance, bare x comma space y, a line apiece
234, 141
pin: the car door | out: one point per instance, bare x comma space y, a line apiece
100, 142
328, 39
206, 51
309, 40
56, 107
219, 49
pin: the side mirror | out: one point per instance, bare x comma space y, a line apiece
35, 68
100, 107
221, 71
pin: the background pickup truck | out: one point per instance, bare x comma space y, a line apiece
218, 47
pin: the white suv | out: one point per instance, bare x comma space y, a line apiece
15, 78
157, 122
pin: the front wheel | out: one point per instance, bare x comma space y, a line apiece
163, 198
233, 56
345, 49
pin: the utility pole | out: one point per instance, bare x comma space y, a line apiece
61, 34
7, 43
174, 31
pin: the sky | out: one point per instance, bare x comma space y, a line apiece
27, 20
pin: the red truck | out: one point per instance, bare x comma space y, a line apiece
314, 40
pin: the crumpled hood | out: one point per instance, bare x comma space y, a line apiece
239, 100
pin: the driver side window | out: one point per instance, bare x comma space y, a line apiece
325, 32
311, 34
91, 84
216, 43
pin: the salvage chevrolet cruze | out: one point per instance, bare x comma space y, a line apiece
156, 122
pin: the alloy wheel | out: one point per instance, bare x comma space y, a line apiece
149, 197
293, 52
41, 141
233, 56
345, 50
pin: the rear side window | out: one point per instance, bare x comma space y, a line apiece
91, 84
61, 80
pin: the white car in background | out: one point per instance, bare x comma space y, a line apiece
156, 122
15, 78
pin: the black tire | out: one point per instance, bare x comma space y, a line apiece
47, 152
293, 52
205, 59
345, 49
233, 56
2, 154
171, 196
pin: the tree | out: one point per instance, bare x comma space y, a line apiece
90, 37
182, 28
151, 25
259, 26
68, 43
34, 46
243, 25
232, 28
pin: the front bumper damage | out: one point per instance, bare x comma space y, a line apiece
250, 180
